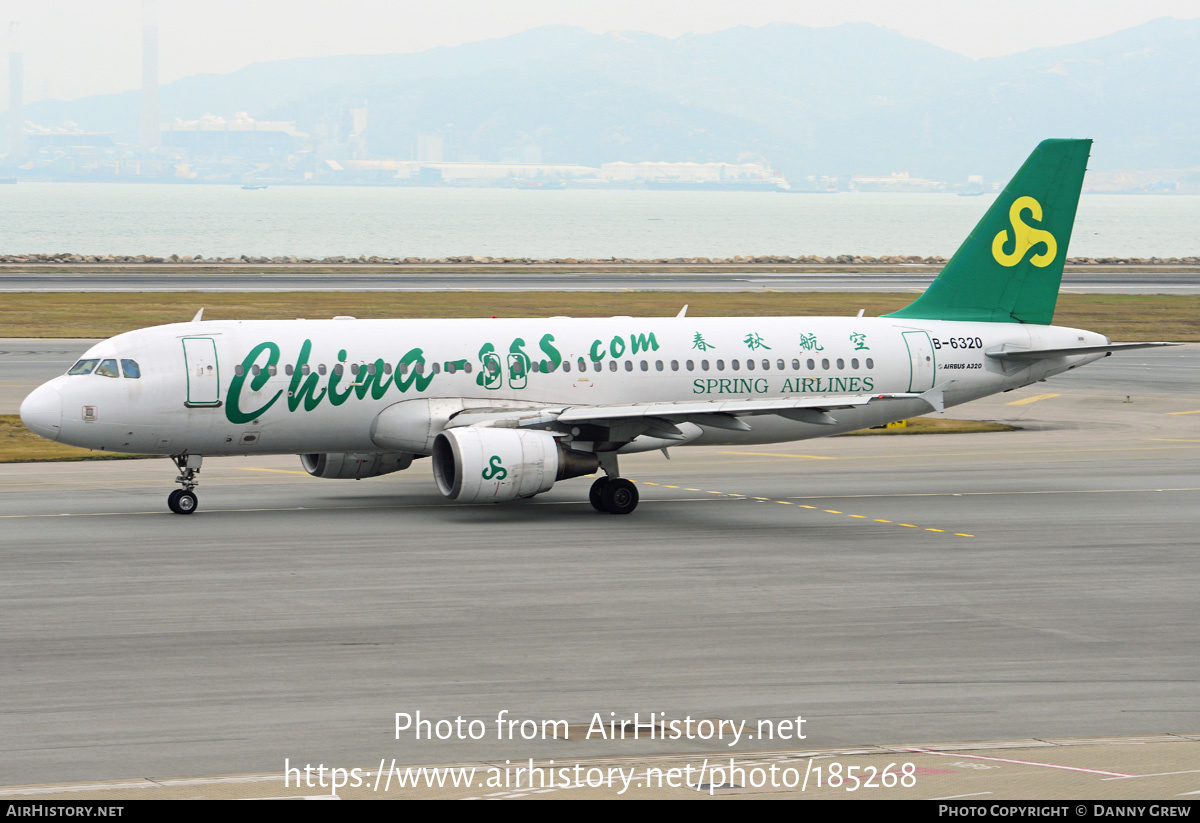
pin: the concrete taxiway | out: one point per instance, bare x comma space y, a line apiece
1112, 280
892, 590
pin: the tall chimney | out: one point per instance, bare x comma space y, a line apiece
150, 134
16, 93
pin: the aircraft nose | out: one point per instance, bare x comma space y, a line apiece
42, 412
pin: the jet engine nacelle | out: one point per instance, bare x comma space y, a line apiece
354, 466
479, 464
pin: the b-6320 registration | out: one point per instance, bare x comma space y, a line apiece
958, 343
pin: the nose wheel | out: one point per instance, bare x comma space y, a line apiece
183, 500
614, 495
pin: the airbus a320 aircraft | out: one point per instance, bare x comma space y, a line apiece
506, 408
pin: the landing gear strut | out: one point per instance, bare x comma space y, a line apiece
183, 500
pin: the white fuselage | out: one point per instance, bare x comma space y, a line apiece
308, 386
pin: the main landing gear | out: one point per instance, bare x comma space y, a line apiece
614, 495
183, 500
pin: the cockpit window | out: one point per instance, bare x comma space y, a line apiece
83, 367
108, 368
131, 369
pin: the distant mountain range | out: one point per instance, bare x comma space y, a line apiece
852, 99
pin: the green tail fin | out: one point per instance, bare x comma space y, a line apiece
1008, 270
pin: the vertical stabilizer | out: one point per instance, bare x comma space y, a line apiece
1009, 269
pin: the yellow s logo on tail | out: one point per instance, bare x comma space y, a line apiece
1025, 236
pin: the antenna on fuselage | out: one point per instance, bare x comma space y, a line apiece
199, 315
682, 312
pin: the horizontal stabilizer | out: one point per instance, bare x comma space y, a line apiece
1046, 354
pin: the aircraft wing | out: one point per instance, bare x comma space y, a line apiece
722, 414
1045, 354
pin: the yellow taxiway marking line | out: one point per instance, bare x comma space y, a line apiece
769, 454
1027, 400
1197, 411
738, 496
1174, 440
274, 471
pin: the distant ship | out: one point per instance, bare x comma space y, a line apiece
714, 185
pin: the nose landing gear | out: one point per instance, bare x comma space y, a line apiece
183, 500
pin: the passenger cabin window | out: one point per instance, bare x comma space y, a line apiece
83, 367
131, 370
870, 363
108, 368
566, 365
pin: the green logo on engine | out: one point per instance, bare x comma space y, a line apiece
495, 471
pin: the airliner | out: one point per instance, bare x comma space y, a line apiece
505, 408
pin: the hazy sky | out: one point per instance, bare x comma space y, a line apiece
78, 47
